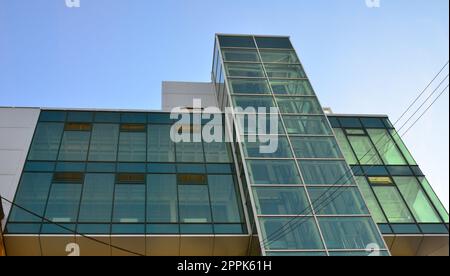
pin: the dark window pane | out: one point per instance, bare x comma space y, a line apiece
334, 122
132, 167
229, 229
160, 146
405, 228
299, 105
240, 55
219, 168
281, 201
350, 122
161, 168
132, 147
196, 229
162, 198
273, 42
80, 117
39, 166
248, 86
52, 116
63, 203
129, 203
194, 204
326, 172
265, 172
101, 167
134, 118
164, 229
97, 198
104, 142
191, 168
107, 117
237, 41
70, 167
372, 123
292, 87
399, 170
46, 141
338, 201
224, 199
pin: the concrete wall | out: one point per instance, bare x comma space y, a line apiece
16, 132
181, 94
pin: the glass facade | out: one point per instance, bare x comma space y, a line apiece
289, 190
397, 193
120, 173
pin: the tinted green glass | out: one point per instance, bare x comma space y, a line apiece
436, 202
398, 140
291, 233
254, 102
311, 125
338, 201
74, 146
364, 150
273, 42
326, 172
97, 198
350, 233
279, 56
31, 195
160, 146
162, 198
251, 70
63, 203
345, 147
393, 205
240, 55
129, 203
217, 152
291, 87
248, 86
249, 123
47, 139
299, 105
194, 204
417, 200
224, 200
315, 147
281, 148
284, 71
190, 152
387, 148
273, 172
132, 147
104, 140
371, 200
236, 41
281, 201
80, 117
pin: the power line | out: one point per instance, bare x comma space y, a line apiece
70, 230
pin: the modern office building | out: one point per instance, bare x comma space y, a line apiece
115, 182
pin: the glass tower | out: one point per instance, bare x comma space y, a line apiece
304, 198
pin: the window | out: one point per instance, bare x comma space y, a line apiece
291, 87
393, 204
364, 150
63, 203
190, 152
217, 152
194, 204
74, 146
107, 117
134, 118
249, 123
160, 146
240, 55
371, 200
432, 195
224, 200
417, 200
254, 102
191, 179
237, 41
350, 233
307, 125
345, 147
254, 149
279, 56
284, 71
372, 122
46, 141
273, 42
132, 146
97, 199
299, 105
291, 233
387, 148
380, 180
265, 172
338, 201
162, 198
315, 147
80, 116
31, 195
248, 86
326, 172
104, 142
129, 203
350, 122
251, 70
398, 140
281, 201
52, 116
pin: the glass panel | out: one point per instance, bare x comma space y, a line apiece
97, 199
237, 41
129, 203
160, 146
133, 118
370, 199
416, 199
104, 142
350, 122
132, 147
390, 154
299, 105
273, 42
279, 56
196, 228
107, 117
216, 152
326, 172
251, 70
190, 152
273, 172
162, 198
291, 233
436, 202
350, 233
52, 116
194, 204
309, 125
31, 195
315, 147
398, 140
393, 204
224, 199
243, 122
80, 117
284, 71
254, 102
240, 55
46, 141
241, 86
63, 203
365, 152
254, 149
372, 122
292, 87
74, 146
338, 201
400, 171
191, 168
345, 147
359, 254
281, 201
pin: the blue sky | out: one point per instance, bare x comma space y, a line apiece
115, 53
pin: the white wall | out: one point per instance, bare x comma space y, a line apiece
16, 132
181, 94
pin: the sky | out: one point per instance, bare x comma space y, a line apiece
115, 53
